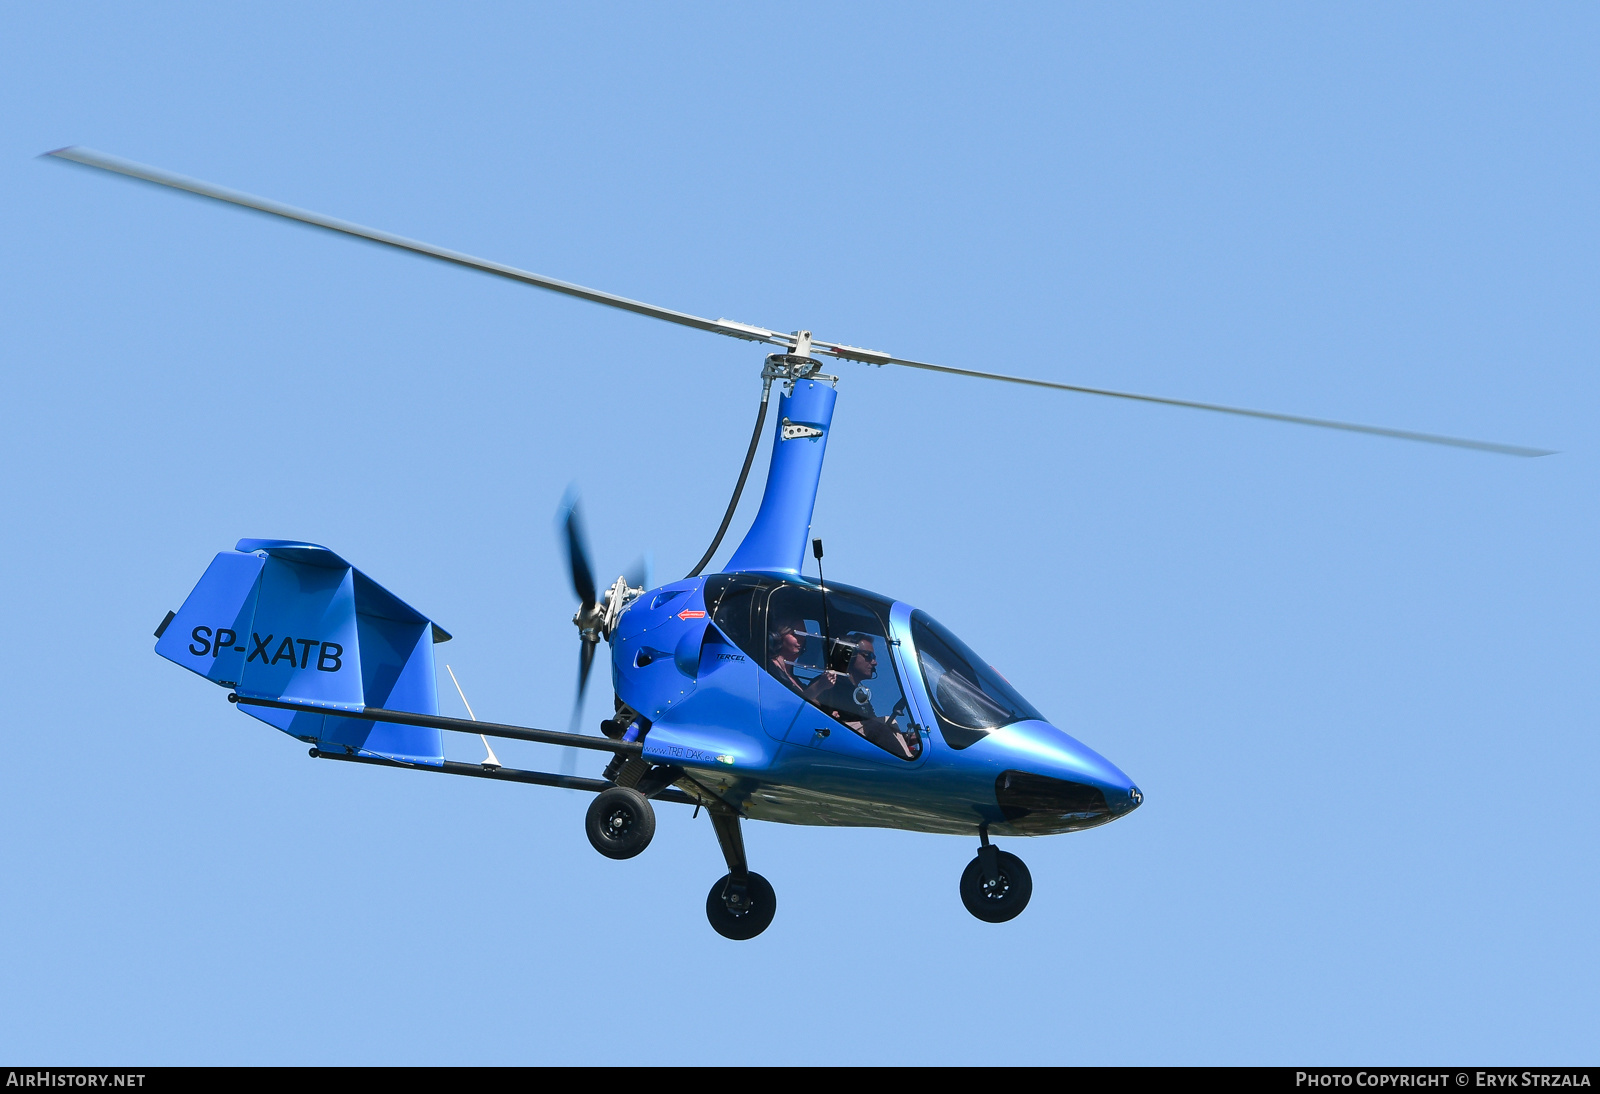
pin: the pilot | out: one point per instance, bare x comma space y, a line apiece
848, 700
861, 665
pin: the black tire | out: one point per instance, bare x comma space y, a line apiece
1003, 901
621, 822
761, 903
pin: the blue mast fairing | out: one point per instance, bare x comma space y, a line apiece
776, 542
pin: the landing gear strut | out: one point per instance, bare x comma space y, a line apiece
995, 886
741, 904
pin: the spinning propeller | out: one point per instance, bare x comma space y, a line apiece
590, 616
597, 613
797, 348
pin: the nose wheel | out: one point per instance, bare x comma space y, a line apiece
741, 908
741, 904
995, 886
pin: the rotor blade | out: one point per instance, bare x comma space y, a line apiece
88, 157
102, 161
577, 551
1294, 419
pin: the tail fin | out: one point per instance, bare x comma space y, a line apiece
277, 619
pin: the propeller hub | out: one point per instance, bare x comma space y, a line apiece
590, 620
597, 621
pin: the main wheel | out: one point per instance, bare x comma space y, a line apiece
1003, 899
620, 822
741, 915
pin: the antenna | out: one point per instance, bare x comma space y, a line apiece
492, 761
816, 549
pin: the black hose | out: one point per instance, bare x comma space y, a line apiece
744, 473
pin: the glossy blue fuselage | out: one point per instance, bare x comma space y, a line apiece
715, 711
718, 711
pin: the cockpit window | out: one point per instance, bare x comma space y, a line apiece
834, 652
738, 604
969, 697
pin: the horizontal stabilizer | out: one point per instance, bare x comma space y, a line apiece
294, 622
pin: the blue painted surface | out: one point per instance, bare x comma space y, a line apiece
712, 729
776, 542
304, 643
298, 623
210, 634
648, 669
397, 674
739, 732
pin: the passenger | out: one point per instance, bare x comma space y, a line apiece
783, 647
784, 642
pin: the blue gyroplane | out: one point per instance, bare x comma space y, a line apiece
755, 693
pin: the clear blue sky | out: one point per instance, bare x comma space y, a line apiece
1354, 677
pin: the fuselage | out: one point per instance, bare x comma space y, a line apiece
812, 705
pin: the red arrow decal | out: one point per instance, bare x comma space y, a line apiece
690, 614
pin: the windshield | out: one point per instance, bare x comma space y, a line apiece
969, 697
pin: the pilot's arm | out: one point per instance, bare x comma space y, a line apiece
814, 690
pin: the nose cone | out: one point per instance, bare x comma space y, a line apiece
1054, 783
